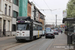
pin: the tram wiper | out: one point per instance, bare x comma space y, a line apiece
20, 29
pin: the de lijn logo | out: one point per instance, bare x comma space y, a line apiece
64, 47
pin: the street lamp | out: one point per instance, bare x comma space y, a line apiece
56, 21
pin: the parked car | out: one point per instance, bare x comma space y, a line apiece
56, 32
49, 34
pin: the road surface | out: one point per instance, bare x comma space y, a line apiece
39, 44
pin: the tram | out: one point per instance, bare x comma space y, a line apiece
28, 29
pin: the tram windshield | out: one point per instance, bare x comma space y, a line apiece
48, 29
23, 26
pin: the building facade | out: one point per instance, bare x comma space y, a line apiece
42, 19
23, 8
29, 9
37, 15
5, 17
15, 12
11, 9
32, 10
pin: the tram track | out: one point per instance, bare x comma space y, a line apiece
13, 45
6, 44
19, 44
30, 45
28, 48
38, 45
35, 44
42, 42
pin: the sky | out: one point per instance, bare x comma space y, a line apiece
57, 7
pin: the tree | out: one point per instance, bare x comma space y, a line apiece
71, 8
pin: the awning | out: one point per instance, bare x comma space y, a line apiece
68, 19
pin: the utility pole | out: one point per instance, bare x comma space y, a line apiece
56, 21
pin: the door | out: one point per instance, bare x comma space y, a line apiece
4, 28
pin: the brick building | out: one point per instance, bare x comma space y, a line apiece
29, 9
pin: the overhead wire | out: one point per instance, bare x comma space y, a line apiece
47, 5
37, 5
32, 0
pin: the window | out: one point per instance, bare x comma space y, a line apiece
4, 24
8, 25
15, 2
5, 9
0, 23
42, 16
9, 10
39, 27
13, 27
35, 27
15, 14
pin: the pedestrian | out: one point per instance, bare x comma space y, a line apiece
61, 31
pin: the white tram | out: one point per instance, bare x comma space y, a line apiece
27, 29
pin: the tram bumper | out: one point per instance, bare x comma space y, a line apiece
22, 38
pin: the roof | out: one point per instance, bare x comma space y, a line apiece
68, 19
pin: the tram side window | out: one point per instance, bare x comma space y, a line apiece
39, 27
35, 27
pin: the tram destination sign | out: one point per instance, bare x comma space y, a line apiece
23, 21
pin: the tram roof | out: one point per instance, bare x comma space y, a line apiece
27, 18
24, 18
38, 22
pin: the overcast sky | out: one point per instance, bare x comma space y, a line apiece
56, 5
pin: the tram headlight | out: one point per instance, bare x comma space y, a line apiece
17, 34
23, 34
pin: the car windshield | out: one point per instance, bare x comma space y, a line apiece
23, 26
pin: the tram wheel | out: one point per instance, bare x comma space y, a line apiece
34, 38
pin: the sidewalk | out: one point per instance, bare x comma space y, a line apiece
7, 37
59, 43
